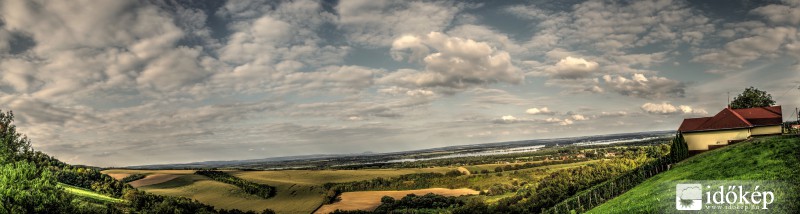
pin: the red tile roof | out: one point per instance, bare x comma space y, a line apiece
762, 116
735, 118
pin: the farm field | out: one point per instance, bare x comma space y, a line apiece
319, 177
153, 179
301, 191
369, 200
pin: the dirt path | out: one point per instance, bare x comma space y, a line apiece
369, 200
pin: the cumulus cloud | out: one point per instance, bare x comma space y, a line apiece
666, 108
562, 122
573, 68
578, 117
642, 86
535, 111
663, 108
457, 63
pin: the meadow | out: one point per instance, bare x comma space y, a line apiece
771, 158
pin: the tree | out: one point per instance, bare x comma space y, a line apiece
751, 98
13, 146
28, 189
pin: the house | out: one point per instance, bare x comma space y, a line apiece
730, 125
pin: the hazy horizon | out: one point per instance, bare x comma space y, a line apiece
122, 83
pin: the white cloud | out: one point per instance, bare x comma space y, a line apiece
578, 117
666, 108
663, 108
458, 63
535, 111
688, 110
491, 36
562, 122
573, 68
642, 86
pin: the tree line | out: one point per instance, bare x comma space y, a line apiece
260, 190
133, 177
411, 203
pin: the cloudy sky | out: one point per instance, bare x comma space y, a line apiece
117, 82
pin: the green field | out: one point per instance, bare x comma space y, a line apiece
772, 158
85, 193
300, 191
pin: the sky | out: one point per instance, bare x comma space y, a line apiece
119, 82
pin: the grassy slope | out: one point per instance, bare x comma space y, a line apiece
773, 158
205, 190
81, 192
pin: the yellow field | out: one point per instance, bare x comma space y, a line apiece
319, 177
147, 172
118, 176
153, 179
369, 200
298, 191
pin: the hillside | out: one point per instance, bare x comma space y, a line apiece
770, 158
34, 182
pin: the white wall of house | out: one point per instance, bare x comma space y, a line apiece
767, 130
701, 140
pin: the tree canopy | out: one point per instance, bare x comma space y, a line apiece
752, 98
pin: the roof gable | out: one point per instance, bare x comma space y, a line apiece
762, 116
735, 118
725, 119
690, 124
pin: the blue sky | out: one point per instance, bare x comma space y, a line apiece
115, 83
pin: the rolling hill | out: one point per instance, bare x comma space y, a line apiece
762, 159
